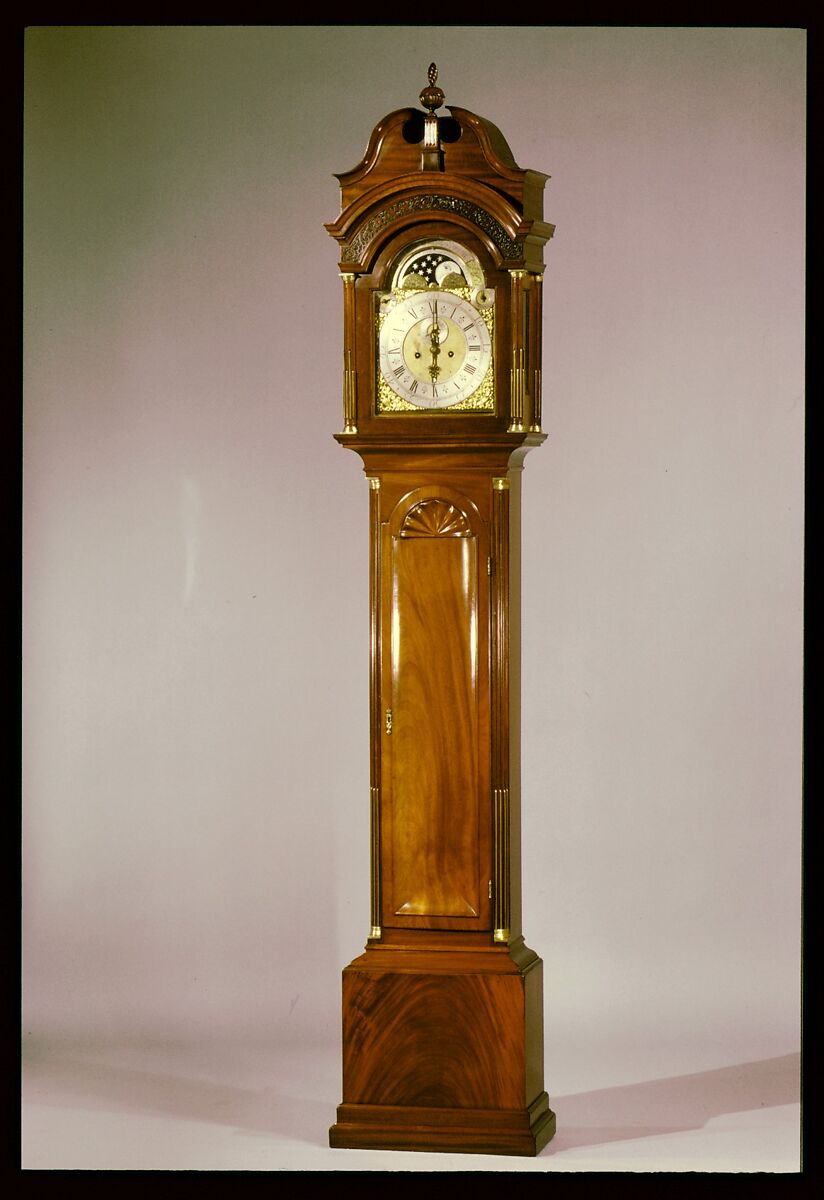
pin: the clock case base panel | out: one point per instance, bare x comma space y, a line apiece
443, 1051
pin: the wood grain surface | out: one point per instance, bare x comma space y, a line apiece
434, 747
420, 1045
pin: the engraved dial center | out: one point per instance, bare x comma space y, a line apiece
431, 350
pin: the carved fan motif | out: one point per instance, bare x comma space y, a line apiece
435, 518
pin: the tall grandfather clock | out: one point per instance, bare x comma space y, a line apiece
441, 255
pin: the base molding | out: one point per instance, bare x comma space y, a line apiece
460, 1130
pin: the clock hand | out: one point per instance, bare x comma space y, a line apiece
434, 346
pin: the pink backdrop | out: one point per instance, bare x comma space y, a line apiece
196, 758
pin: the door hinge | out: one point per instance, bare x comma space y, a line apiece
490, 889
489, 565
389, 720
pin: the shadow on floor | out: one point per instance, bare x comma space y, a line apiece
66, 1080
639, 1110
673, 1105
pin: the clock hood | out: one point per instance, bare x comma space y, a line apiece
469, 146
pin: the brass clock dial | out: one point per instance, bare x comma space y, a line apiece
435, 334
435, 348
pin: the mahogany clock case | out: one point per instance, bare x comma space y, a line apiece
443, 1012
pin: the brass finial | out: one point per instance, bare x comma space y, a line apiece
432, 97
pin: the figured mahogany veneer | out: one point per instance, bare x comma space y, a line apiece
445, 1054
435, 773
